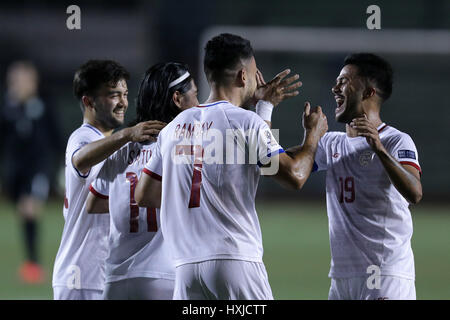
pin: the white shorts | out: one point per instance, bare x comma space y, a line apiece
64, 293
139, 289
222, 280
391, 288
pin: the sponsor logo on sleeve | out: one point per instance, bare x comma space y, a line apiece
82, 144
409, 154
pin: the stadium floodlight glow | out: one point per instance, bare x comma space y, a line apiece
332, 40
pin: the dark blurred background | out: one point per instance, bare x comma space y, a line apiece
140, 33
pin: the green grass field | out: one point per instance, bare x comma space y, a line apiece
296, 250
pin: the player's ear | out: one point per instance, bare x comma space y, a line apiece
176, 98
87, 102
369, 92
242, 76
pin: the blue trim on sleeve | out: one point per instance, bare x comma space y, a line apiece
270, 154
78, 172
281, 150
315, 167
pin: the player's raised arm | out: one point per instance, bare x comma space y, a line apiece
97, 151
269, 95
296, 163
405, 178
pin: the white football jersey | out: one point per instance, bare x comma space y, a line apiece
208, 188
80, 260
136, 246
369, 220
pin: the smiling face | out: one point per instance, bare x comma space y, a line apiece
110, 104
348, 93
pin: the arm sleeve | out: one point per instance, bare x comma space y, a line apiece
320, 160
266, 144
100, 186
404, 151
154, 165
75, 144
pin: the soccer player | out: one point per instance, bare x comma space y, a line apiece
29, 130
101, 88
373, 174
139, 265
208, 215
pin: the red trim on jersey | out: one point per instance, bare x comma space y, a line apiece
382, 128
152, 174
412, 164
97, 194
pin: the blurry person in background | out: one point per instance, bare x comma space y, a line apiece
29, 139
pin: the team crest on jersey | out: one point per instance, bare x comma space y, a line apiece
268, 139
365, 158
267, 134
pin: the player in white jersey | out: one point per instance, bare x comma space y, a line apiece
101, 87
204, 173
373, 174
139, 265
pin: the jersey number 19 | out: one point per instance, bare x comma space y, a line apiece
347, 189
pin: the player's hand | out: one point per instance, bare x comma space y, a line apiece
314, 120
277, 89
365, 128
145, 131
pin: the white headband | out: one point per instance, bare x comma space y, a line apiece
180, 79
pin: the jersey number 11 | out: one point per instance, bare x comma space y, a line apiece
134, 209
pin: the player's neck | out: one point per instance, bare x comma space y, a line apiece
350, 131
231, 95
373, 114
106, 132
373, 117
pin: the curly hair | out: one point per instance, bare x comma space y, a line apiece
95, 73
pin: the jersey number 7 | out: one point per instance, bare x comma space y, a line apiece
134, 209
197, 151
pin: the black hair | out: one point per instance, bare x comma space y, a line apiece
94, 73
154, 101
373, 68
225, 52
